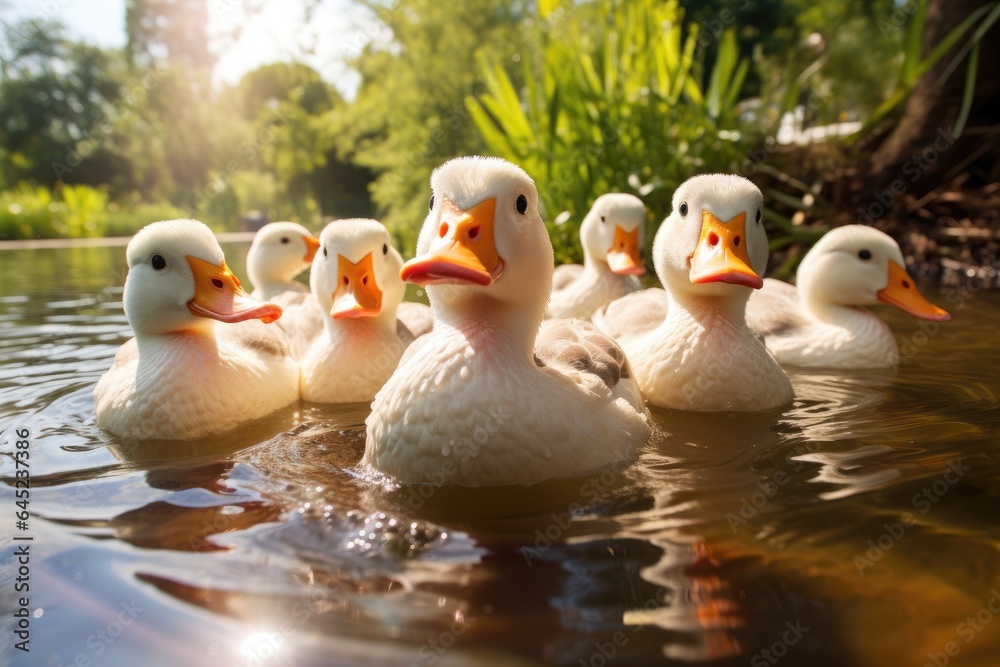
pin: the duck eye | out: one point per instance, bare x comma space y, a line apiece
603, 219
758, 216
284, 239
158, 262
385, 248
864, 255
522, 204
683, 208
430, 204
325, 253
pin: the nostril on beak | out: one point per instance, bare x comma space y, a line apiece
443, 229
347, 280
713, 239
906, 284
217, 283
364, 281
736, 241
474, 233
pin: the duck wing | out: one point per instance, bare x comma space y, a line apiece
634, 313
564, 275
417, 317
580, 350
253, 335
774, 309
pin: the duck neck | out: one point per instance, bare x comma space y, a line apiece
833, 313
596, 266
199, 336
700, 308
505, 327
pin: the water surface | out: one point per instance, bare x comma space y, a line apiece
858, 527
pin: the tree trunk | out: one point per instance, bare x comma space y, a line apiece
910, 152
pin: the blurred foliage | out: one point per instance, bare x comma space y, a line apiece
614, 104
77, 211
587, 95
409, 115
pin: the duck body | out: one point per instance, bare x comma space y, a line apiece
704, 357
200, 362
486, 414
823, 323
689, 346
350, 362
611, 235
356, 290
485, 398
187, 386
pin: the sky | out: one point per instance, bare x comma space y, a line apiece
339, 28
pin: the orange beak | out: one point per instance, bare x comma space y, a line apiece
464, 251
623, 256
901, 292
721, 255
218, 295
312, 245
357, 295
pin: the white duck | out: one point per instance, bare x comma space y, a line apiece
822, 323
279, 252
182, 377
690, 348
612, 235
356, 282
484, 399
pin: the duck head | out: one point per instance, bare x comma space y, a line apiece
356, 272
178, 281
279, 252
713, 242
483, 240
614, 231
856, 265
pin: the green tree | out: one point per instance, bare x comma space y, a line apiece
409, 115
57, 104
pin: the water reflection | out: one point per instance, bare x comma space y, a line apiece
731, 535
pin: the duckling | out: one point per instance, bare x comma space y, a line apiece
823, 322
612, 235
183, 377
485, 400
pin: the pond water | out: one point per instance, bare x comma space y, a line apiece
858, 527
